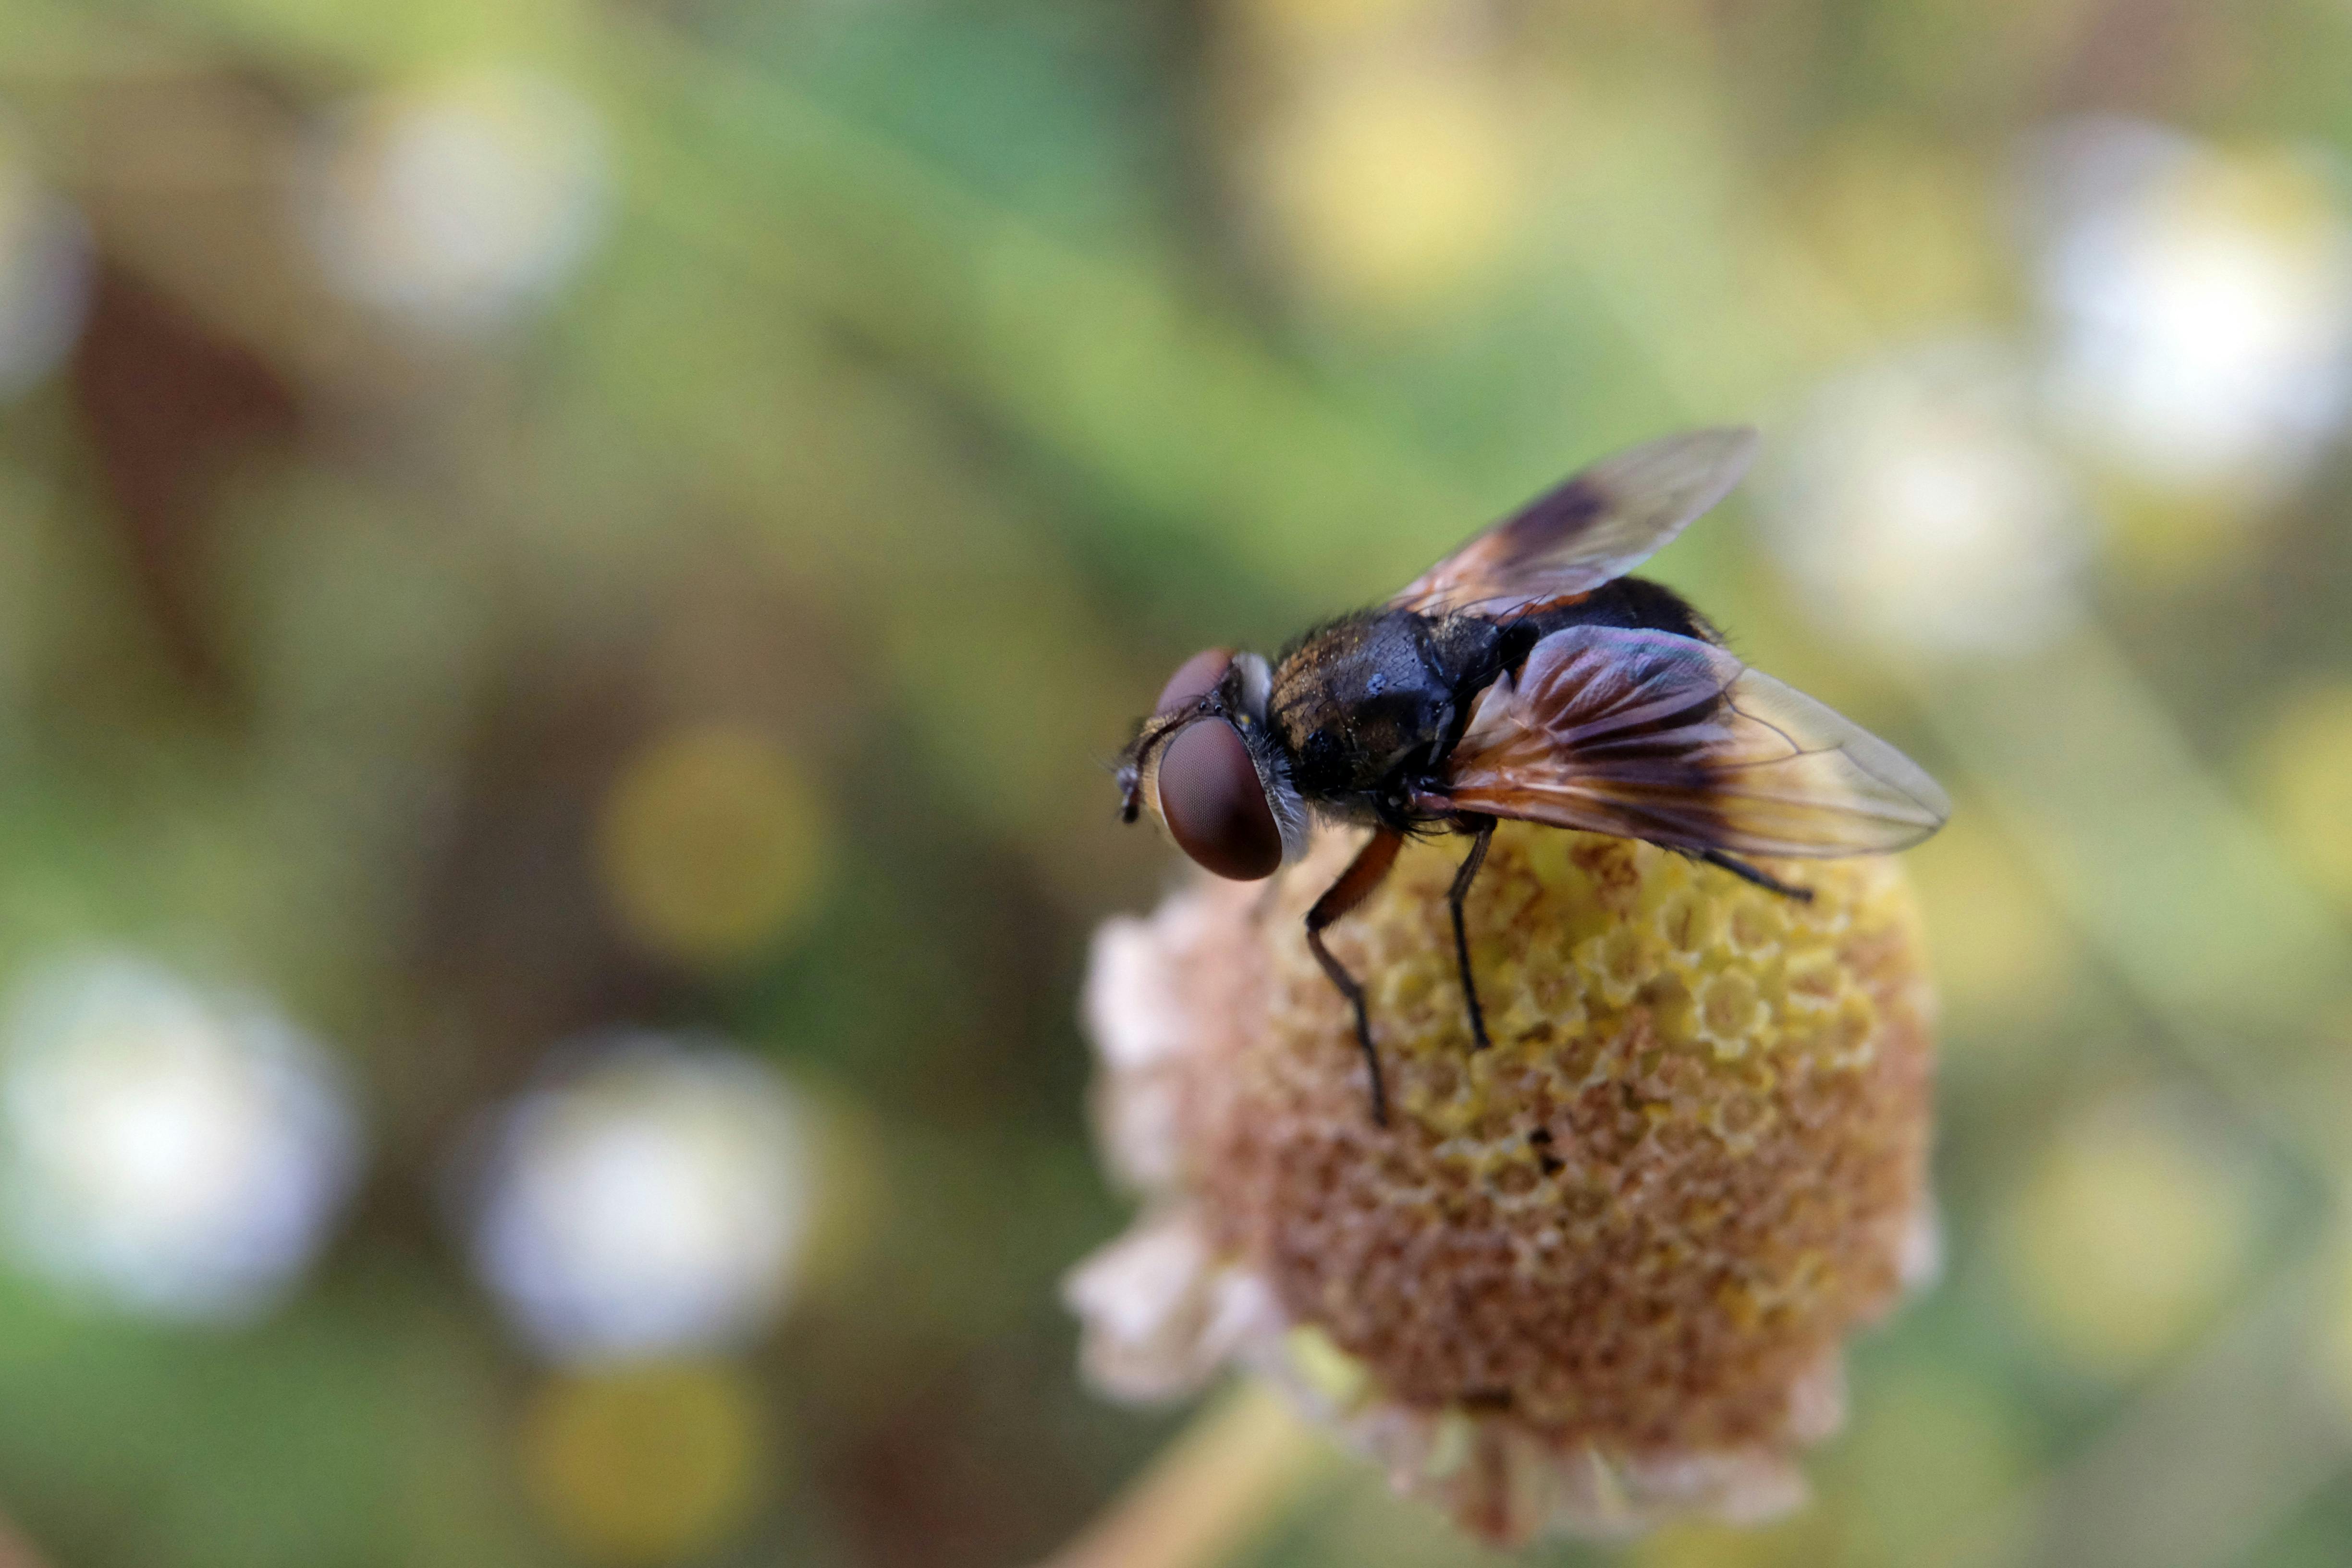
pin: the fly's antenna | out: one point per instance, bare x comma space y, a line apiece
1156, 732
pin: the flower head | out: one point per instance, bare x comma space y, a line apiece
1594, 1275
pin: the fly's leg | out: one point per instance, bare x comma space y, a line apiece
1484, 834
1355, 885
1746, 872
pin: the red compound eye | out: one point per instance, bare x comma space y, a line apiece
1215, 807
1194, 678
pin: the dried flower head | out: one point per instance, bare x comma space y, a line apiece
1597, 1274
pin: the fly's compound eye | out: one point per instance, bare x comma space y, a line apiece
1213, 804
1195, 679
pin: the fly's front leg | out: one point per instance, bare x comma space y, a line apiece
1355, 885
1484, 835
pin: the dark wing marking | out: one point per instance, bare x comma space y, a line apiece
1592, 528
1645, 734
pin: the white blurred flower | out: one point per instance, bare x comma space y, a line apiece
178, 1153
44, 273
458, 204
653, 1199
1916, 505
2201, 301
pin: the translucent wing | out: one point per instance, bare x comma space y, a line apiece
1645, 734
1592, 528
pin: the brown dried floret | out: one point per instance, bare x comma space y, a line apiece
1598, 1273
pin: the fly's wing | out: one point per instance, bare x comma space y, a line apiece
1645, 734
1592, 528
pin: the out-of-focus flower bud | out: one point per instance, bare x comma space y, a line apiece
178, 1153
652, 1201
1919, 506
2201, 303
461, 203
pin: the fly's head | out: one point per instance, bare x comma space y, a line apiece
1212, 773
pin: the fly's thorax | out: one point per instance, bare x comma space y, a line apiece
1357, 700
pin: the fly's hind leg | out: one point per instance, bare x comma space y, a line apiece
1746, 872
1483, 830
1355, 885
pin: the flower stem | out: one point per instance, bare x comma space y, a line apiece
1227, 1476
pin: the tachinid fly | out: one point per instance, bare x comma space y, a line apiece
1523, 675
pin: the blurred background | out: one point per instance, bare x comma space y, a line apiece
567, 572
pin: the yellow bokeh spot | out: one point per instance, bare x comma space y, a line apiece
2304, 779
1909, 230
647, 1463
2002, 955
2127, 1237
713, 843
1391, 183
